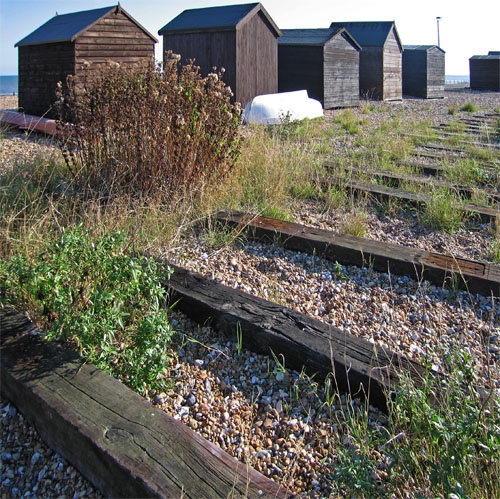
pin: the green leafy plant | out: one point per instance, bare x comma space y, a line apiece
452, 433
93, 295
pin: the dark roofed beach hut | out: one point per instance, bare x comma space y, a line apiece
423, 71
325, 62
380, 60
242, 39
67, 43
484, 71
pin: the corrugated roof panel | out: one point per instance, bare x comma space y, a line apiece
224, 17
64, 27
367, 33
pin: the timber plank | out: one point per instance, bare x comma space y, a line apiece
395, 179
485, 213
360, 367
113, 436
477, 277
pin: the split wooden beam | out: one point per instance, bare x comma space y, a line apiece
360, 367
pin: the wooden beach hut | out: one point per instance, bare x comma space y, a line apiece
68, 43
423, 71
325, 62
242, 39
380, 60
484, 71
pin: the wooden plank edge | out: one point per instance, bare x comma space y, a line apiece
122, 444
476, 277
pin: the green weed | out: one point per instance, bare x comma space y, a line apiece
442, 211
97, 297
469, 107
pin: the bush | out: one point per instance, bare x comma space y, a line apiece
148, 131
101, 301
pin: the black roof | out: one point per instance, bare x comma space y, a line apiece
214, 18
67, 27
313, 37
423, 48
492, 55
305, 36
368, 33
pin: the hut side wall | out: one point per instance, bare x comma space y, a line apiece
113, 38
484, 74
393, 69
299, 68
371, 78
415, 73
423, 73
41, 67
435, 73
208, 50
341, 74
256, 59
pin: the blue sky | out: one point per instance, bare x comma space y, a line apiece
465, 29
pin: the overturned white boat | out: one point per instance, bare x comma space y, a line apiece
274, 109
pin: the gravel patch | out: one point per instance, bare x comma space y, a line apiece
18, 146
276, 419
28, 468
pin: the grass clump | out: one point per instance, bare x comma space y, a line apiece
451, 437
349, 122
442, 437
442, 211
495, 248
99, 298
469, 107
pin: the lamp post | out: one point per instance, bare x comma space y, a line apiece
437, 20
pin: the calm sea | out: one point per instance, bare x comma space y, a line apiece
8, 84
455, 79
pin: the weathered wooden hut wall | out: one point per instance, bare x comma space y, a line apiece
484, 71
341, 73
41, 67
208, 49
300, 67
257, 59
435, 73
325, 62
69, 44
380, 62
113, 38
424, 71
415, 73
392, 81
371, 73
240, 38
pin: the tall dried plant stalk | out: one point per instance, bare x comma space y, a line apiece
148, 130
